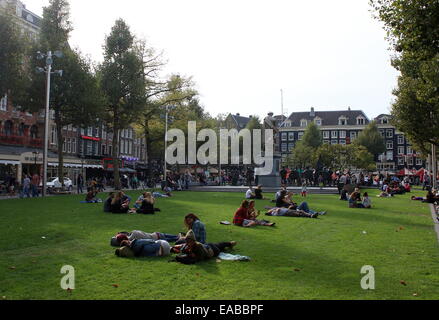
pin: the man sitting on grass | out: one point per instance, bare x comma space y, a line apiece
192, 251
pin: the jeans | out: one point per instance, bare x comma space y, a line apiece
304, 207
26, 192
80, 188
168, 237
34, 189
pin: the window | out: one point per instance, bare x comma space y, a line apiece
284, 147
401, 161
21, 128
284, 136
8, 128
4, 103
291, 136
400, 139
419, 162
384, 120
110, 150
69, 127
53, 135
288, 124
334, 134
325, 134
73, 145
104, 133
342, 141
326, 141
82, 131
96, 148
122, 146
90, 131
409, 150
303, 123
290, 147
361, 121
342, 121
64, 146
389, 145
104, 150
389, 133
69, 145
383, 133
410, 161
334, 142
401, 150
89, 147
130, 150
300, 135
389, 155
353, 136
318, 122
342, 134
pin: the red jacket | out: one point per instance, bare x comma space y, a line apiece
240, 215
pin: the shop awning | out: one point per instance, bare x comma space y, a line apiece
12, 162
76, 165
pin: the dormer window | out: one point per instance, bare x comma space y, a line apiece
318, 121
384, 120
288, 123
361, 121
342, 121
303, 123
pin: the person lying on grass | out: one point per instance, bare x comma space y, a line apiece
139, 235
147, 204
192, 222
243, 218
143, 248
290, 212
192, 251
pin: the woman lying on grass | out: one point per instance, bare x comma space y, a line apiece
143, 248
192, 251
245, 218
139, 235
291, 212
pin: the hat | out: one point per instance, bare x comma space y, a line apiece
121, 237
190, 235
166, 248
126, 252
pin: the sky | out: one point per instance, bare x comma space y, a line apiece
329, 55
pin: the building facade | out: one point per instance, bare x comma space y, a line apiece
343, 127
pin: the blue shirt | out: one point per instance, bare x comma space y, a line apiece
145, 248
199, 231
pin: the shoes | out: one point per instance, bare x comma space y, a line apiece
315, 215
322, 213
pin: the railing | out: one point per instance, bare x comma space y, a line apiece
21, 141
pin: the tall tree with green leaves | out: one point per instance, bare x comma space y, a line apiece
13, 49
312, 136
123, 82
371, 139
75, 98
413, 31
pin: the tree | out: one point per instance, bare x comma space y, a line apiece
371, 139
342, 157
302, 156
75, 97
312, 136
13, 72
123, 82
413, 31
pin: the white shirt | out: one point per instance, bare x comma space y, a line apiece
248, 194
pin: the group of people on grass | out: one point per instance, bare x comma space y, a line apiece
190, 247
354, 199
119, 203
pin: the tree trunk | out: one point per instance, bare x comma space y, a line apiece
60, 142
148, 152
115, 155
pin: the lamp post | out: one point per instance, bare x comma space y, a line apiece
166, 143
48, 71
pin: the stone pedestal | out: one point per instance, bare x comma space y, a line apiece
273, 180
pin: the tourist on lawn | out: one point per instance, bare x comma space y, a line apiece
253, 214
192, 222
107, 202
193, 251
344, 195
258, 193
34, 185
242, 218
147, 204
91, 196
367, 203
290, 212
120, 203
139, 235
304, 190
432, 196
144, 248
284, 199
250, 194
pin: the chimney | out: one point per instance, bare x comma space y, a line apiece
349, 108
312, 114
238, 114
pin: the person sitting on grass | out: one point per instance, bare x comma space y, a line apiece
284, 199
252, 214
107, 203
194, 224
290, 212
120, 204
354, 199
344, 195
143, 248
91, 196
147, 205
258, 193
432, 197
367, 203
241, 217
193, 251
139, 235
250, 194
278, 193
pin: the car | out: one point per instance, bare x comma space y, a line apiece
54, 183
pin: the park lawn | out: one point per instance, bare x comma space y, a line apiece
298, 259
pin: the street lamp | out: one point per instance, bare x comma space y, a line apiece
166, 142
48, 71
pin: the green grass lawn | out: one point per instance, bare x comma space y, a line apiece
298, 259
